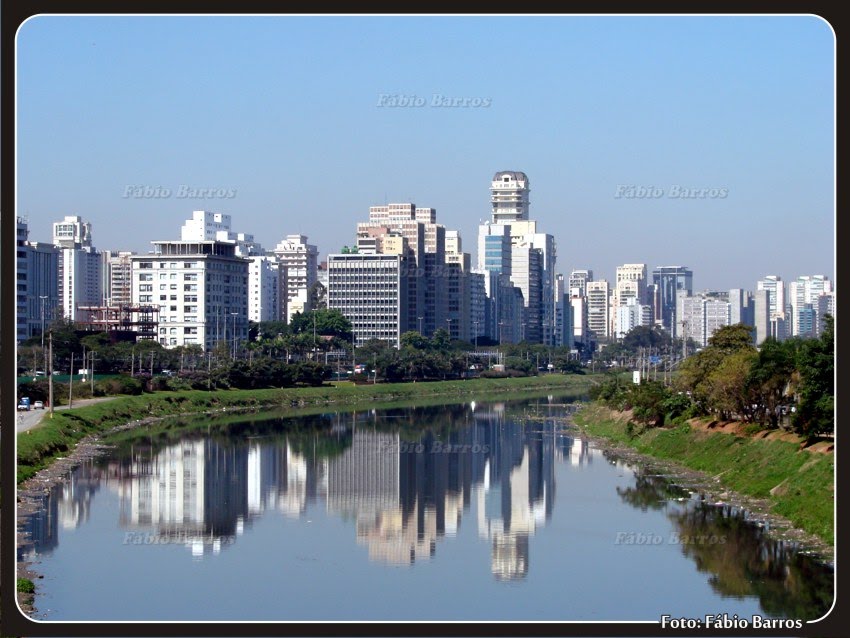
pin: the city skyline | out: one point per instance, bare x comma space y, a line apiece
312, 161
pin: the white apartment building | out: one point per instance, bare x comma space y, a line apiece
578, 282
79, 279
72, 232
598, 304
201, 288
509, 196
299, 260
702, 315
263, 288
370, 291
802, 291
630, 284
79, 267
631, 315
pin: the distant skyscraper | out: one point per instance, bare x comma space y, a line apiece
630, 315
509, 196
779, 318
741, 307
72, 232
670, 280
510, 216
578, 282
825, 306
630, 284
803, 293
598, 309
762, 315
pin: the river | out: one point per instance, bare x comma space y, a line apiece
488, 511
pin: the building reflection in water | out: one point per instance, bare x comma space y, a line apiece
404, 494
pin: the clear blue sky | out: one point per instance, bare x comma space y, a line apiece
285, 111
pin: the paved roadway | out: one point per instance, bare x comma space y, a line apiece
28, 420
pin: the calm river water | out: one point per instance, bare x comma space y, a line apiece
458, 512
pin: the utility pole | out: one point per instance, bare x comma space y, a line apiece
50, 376
151, 364
92, 372
43, 353
71, 384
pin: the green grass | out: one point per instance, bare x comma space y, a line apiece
25, 586
54, 437
751, 466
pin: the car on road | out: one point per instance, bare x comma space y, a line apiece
38, 405
24, 404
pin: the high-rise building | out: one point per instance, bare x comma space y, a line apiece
425, 244
509, 197
803, 293
670, 280
72, 232
579, 319
201, 289
263, 288
761, 315
79, 280
630, 315
527, 275
741, 307
703, 314
563, 314
79, 266
370, 291
299, 260
578, 282
630, 284
21, 279
598, 304
825, 306
42, 283
459, 294
117, 281
777, 304
504, 243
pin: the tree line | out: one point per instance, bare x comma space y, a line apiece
782, 383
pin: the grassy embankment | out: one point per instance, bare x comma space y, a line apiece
56, 436
798, 484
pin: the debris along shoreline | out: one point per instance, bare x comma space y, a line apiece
757, 510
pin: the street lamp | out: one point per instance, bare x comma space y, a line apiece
420, 325
449, 327
476, 334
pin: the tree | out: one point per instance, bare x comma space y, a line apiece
646, 337
330, 323
815, 411
729, 339
728, 391
769, 377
